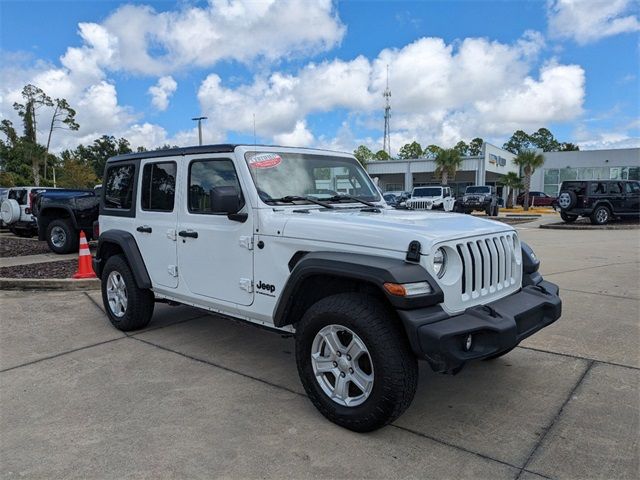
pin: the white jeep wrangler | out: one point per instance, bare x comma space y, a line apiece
260, 234
431, 198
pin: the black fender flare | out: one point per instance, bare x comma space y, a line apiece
43, 213
370, 269
604, 203
127, 243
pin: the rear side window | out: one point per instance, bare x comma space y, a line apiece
118, 187
598, 188
206, 175
19, 196
579, 188
615, 187
158, 186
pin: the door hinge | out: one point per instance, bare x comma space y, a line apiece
246, 241
171, 234
173, 270
246, 284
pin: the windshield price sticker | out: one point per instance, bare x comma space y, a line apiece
265, 160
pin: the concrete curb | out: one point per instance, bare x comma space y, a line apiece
573, 226
49, 284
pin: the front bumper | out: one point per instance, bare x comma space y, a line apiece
496, 327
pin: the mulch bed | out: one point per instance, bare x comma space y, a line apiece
19, 247
59, 269
585, 224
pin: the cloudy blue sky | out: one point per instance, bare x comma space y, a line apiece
312, 72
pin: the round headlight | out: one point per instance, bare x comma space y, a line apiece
439, 262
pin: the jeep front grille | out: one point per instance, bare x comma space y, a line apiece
489, 265
420, 204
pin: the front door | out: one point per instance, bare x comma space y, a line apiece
214, 252
632, 197
616, 196
156, 219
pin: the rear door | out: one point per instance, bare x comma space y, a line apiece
156, 219
215, 253
632, 197
617, 196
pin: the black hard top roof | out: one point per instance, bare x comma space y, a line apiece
171, 152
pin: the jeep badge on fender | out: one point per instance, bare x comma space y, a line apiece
367, 290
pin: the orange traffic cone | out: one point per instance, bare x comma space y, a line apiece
85, 269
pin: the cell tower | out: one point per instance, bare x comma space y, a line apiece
386, 146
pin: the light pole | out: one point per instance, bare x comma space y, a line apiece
199, 120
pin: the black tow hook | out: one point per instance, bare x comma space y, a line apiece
491, 311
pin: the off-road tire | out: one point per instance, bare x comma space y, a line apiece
568, 218
72, 237
496, 210
600, 215
140, 301
395, 368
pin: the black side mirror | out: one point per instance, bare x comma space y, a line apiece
227, 200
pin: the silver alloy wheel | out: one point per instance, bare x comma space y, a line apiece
58, 237
564, 200
602, 215
117, 294
342, 365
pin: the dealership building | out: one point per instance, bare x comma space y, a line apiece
493, 163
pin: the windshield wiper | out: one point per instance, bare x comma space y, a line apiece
297, 198
337, 198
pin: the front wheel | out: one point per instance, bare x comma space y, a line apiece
354, 362
128, 307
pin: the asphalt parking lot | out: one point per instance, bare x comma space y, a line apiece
196, 396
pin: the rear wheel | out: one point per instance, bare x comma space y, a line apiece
354, 362
62, 237
568, 218
600, 216
128, 307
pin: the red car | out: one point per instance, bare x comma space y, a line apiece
537, 199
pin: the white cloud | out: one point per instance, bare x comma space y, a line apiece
162, 91
440, 92
299, 137
158, 43
587, 21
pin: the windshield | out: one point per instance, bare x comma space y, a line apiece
427, 192
478, 190
280, 175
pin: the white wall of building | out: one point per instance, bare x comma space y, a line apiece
585, 165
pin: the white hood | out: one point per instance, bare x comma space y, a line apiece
389, 230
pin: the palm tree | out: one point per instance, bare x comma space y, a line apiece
528, 161
511, 181
447, 163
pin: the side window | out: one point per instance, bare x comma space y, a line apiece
615, 188
632, 187
598, 188
204, 177
158, 186
19, 196
118, 187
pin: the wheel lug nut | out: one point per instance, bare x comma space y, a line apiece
342, 374
335, 364
339, 354
351, 370
348, 357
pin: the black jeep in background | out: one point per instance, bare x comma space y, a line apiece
62, 214
600, 200
482, 198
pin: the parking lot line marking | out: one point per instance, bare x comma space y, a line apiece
589, 268
61, 354
555, 419
280, 387
577, 357
600, 294
213, 364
